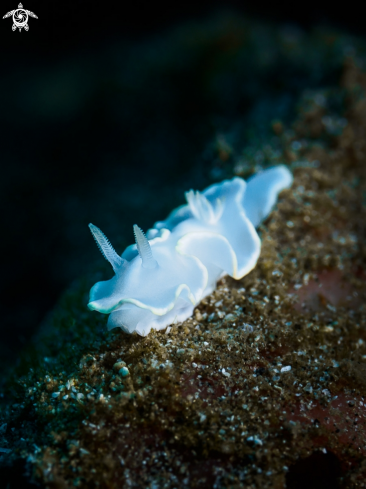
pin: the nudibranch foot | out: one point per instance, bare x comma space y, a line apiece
130, 318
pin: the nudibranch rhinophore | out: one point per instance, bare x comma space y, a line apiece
160, 279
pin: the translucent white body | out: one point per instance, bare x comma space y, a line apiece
160, 279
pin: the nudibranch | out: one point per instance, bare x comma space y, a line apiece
165, 274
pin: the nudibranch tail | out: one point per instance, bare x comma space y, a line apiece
144, 248
106, 248
262, 192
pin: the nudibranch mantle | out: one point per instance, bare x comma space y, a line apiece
165, 274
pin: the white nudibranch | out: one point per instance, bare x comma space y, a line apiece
160, 279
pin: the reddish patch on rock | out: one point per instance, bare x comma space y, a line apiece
360, 273
344, 416
330, 288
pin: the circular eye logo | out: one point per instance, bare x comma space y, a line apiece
20, 17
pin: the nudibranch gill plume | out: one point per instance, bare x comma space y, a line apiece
165, 274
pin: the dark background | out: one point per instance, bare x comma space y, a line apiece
95, 127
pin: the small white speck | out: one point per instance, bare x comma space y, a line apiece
255, 439
308, 388
286, 369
